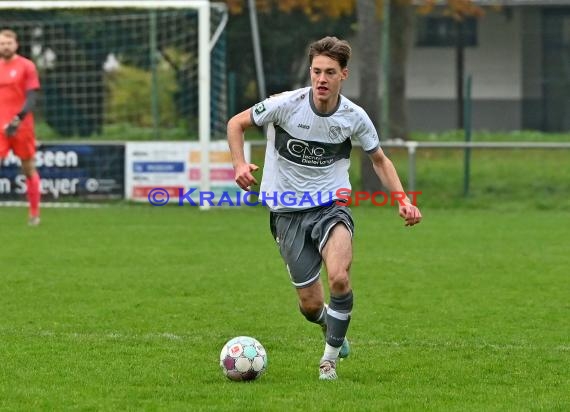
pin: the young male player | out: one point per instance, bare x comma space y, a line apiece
19, 83
309, 144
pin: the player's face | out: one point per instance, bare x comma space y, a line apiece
8, 47
326, 79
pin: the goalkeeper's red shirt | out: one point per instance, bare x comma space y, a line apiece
17, 76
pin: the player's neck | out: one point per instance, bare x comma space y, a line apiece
326, 106
9, 59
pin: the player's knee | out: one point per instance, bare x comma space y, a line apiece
311, 310
28, 168
339, 282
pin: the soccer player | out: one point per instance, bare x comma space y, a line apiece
309, 143
19, 83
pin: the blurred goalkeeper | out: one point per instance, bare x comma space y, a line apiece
310, 131
19, 84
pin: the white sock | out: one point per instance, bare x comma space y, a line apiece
331, 353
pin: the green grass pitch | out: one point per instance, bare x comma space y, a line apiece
126, 308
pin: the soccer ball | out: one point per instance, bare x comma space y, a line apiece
243, 359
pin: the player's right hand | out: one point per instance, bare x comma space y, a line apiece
11, 128
244, 177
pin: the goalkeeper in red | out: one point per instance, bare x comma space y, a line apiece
310, 135
19, 84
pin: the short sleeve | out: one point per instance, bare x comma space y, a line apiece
269, 110
366, 133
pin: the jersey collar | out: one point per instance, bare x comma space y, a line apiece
314, 108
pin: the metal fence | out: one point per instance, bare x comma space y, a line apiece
413, 146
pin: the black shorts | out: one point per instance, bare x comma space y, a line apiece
301, 237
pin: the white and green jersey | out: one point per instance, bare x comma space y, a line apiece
308, 153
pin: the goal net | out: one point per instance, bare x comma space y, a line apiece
123, 70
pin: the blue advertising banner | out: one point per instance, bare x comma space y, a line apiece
69, 172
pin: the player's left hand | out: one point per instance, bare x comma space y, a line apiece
410, 213
11, 128
244, 177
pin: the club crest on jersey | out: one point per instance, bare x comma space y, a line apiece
335, 133
13, 73
259, 108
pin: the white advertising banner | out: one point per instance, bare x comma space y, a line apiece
170, 172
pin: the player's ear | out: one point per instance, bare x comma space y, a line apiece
344, 73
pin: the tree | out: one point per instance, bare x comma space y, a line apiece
368, 12
369, 45
369, 18
401, 21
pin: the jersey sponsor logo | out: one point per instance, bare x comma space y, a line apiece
310, 153
13, 73
259, 108
303, 126
300, 148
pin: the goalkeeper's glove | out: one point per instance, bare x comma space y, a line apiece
12, 127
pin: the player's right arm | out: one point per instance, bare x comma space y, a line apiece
236, 128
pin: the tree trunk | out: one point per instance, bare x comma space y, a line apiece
401, 21
369, 71
369, 51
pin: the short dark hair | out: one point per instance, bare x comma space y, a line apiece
9, 33
332, 47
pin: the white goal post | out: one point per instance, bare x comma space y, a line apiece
206, 41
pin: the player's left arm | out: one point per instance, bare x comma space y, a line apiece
387, 174
29, 104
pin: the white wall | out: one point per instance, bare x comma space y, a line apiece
531, 52
495, 64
